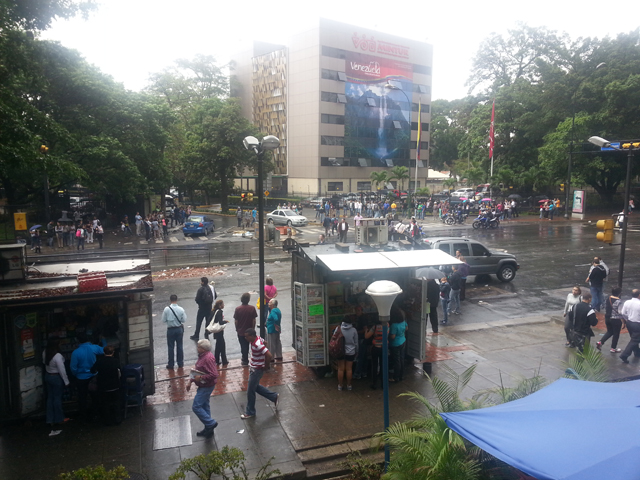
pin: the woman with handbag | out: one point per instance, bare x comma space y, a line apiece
216, 326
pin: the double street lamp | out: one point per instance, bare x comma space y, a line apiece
632, 147
260, 147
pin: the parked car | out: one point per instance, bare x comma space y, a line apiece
312, 202
481, 260
287, 217
464, 192
198, 225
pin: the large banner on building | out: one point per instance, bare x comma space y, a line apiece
377, 118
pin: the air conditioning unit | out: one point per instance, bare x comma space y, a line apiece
372, 235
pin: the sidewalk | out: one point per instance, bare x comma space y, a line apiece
315, 425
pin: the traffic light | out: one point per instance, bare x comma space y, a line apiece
562, 187
250, 196
242, 197
44, 149
606, 235
627, 146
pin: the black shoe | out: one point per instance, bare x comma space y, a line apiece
624, 360
208, 431
169, 367
193, 337
244, 364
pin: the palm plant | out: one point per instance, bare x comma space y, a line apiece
587, 365
449, 183
399, 173
378, 178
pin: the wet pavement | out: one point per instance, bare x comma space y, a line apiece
509, 331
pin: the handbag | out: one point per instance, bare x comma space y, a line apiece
214, 327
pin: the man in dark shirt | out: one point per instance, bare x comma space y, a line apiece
583, 317
245, 318
204, 299
108, 369
433, 297
596, 277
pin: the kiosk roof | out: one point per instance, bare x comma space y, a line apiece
386, 260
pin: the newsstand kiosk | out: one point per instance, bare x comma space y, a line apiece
329, 282
58, 297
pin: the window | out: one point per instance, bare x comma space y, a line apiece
342, 76
277, 92
333, 97
412, 184
479, 250
366, 186
445, 247
333, 75
333, 52
334, 162
397, 125
342, 98
463, 247
334, 186
333, 119
425, 126
425, 108
423, 69
363, 162
421, 88
330, 140
371, 102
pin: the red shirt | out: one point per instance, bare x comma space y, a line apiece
258, 352
245, 316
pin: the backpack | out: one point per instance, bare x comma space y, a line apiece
79, 232
207, 296
336, 344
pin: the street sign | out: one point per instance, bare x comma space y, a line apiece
611, 149
20, 221
266, 193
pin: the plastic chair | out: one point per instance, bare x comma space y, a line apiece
133, 383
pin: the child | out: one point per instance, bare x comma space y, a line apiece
445, 290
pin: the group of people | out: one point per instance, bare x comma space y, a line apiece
96, 371
211, 315
580, 314
68, 235
548, 208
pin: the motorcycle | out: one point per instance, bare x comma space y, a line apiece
453, 218
485, 222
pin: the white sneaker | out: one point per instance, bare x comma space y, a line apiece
55, 432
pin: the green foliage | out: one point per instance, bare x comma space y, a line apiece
502, 394
424, 191
39, 14
361, 468
587, 365
96, 473
228, 463
378, 178
399, 173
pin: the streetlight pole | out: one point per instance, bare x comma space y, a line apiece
384, 293
632, 147
260, 147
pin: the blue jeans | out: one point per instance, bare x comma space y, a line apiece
201, 406
596, 296
454, 299
174, 336
55, 386
445, 308
254, 387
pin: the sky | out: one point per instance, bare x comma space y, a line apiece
130, 39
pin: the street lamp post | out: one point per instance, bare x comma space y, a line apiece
602, 143
260, 147
384, 293
390, 86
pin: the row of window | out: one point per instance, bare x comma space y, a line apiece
364, 187
342, 98
342, 77
339, 141
358, 162
342, 54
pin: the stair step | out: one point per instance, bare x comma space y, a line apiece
334, 469
326, 462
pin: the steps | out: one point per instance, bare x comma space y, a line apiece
325, 462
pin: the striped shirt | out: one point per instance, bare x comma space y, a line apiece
258, 352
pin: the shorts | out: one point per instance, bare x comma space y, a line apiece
349, 358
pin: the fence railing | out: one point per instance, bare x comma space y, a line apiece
198, 256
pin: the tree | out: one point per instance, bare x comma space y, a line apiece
378, 178
399, 173
38, 14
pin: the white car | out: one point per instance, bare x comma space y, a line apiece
287, 217
464, 192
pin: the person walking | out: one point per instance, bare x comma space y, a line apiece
454, 296
345, 364
138, 218
99, 233
204, 299
397, 343
205, 376
375, 333
55, 379
445, 291
613, 319
574, 298
244, 318
596, 277
174, 317
82, 359
260, 361
274, 329
221, 347
343, 229
583, 318
239, 216
433, 297
108, 369
631, 311
60, 234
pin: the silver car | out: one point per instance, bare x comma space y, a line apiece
287, 217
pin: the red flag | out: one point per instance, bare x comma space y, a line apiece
492, 137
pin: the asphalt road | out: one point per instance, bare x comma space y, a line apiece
553, 256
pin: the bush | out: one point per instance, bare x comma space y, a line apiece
228, 463
361, 468
96, 473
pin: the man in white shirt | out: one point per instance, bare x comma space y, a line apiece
631, 311
175, 317
138, 224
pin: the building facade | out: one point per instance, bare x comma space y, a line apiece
344, 101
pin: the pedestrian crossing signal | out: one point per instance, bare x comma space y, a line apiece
606, 235
242, 197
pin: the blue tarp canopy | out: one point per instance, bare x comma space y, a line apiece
570, 430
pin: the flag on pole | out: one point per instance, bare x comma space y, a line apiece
419, 134
492, 137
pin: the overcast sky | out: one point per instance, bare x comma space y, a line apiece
129, 39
